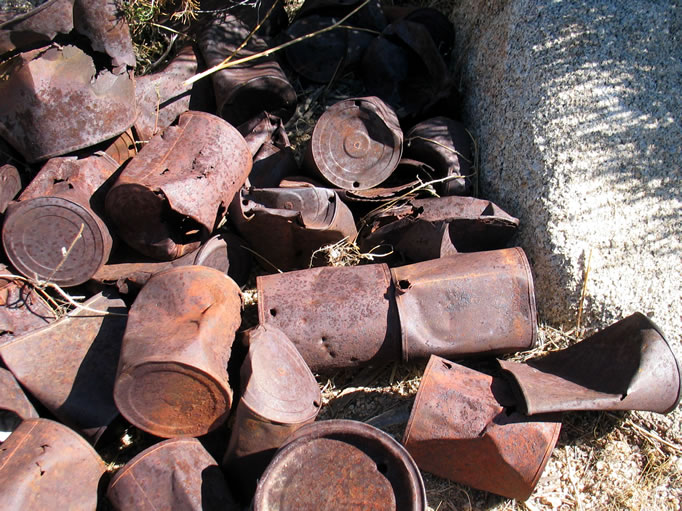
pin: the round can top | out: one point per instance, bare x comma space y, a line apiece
356, 144
56, 239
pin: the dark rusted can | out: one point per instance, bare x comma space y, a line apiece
167, 199
336, 317
70, 365
439, 26
463, 427
338, 465
466, 304
279, 396
14, 405
173, 474
627, 366
44, 465
10, 185
356, 144
172, 375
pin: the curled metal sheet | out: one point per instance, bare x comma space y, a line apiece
336, 317
44, 465
475, 303
174, 474
356, 144
279, 396
10, 185
14, 405
341, 464
167, 199
54, 101
70, 365
463, 427
298, 221
172, 376
627, 366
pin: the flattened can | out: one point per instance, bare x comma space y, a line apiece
463, 427
338, 465
172, 375
14, 405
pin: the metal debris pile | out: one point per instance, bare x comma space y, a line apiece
154, 196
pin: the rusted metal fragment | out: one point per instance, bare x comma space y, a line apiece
439, 26
10, 185
44, 465
279, 396
167, 200
122, 148
466, 304
463, 427
14, 405
70, 365
356, 144
174, 474
336, 317
37, 27
627, 366
226, 252
424, 229
298, 221
172, 375
44, 89
445, 145
339, 465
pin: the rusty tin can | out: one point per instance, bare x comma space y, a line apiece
172, 375
439, 26
627, 366
44, 465
70, 365
466, 304
14, 405
463, 427
336, 317
10, 185
173, 474
339, 465
167, 199
279, 396
356, 144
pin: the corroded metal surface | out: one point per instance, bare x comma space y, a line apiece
356, 144
336, 317
38, 26
627, 366
167, 200
173, 474
172, 377
10, 185
338, 465
70, 365
463, 427
14, 405
122, 148
44, 465
476, 303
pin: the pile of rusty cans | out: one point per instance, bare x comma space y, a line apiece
136, 211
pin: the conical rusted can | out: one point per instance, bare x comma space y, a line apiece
338, 465
174, 474
14, 405
44, 465
463, 427
627, 366
356, 144
172, 375
279, 396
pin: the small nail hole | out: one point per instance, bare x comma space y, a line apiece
404, 284
447, 365
245, 202
356, 184
273, 312
332, 354
316, 404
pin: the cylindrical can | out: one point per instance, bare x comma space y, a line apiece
463, 427
10, 185
173, 474
44, 465
172, 374
14, 405
336, 317
475, 303
338, 465
356, 144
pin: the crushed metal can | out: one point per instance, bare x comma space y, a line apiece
279, 395
70, 365
10, 185
45, 465
339, 465
356, 144
298, 222
627, 366
14, 405
464, 427
172, 375
439, 26
337, 317
168, 199
174, 474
